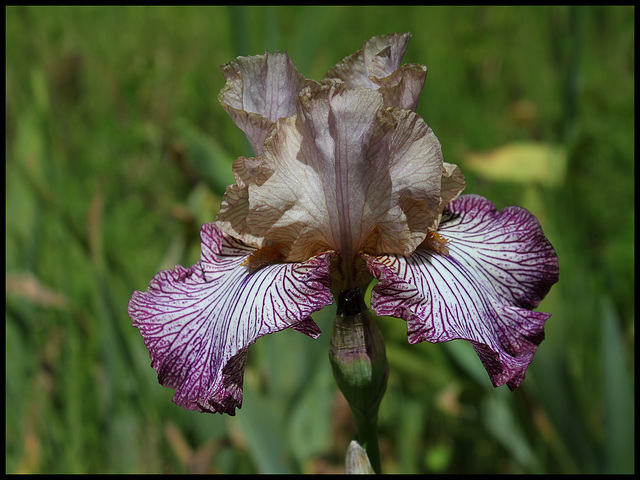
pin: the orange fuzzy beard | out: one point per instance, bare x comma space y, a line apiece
264, 257
436, 243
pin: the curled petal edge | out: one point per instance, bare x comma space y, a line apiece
504, 337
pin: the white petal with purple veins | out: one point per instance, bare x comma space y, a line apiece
507, 249
197, 323
470, 290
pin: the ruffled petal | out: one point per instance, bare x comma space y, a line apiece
451, 186
379, 57
377, 66
259, 90
476, 280
346, 173
198, 323
507, 249
403, 87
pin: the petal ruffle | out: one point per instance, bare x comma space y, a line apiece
377, 66
451, 186
498, 265
507, 249
259, 90
346, 173
198, 323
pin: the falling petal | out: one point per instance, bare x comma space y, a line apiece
507, 249
497, 265
198, 323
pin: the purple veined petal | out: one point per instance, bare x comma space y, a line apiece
507, 249
197, 323
259, 90
468, 290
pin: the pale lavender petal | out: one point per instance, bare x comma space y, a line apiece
403, 87
379, 57
259, 90
377, 66
479, 287
198, 323
345, 174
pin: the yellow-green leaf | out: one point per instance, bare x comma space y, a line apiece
521, 162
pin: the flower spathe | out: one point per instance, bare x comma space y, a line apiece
348, 184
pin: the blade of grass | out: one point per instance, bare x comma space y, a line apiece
618, 398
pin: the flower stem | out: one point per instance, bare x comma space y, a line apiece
368, 436
359, 364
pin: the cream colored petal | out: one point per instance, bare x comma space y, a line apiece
452, 186
260, 89
377, 66
379, 57
345, 174
403, 87
235, 202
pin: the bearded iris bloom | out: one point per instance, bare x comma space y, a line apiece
348, 184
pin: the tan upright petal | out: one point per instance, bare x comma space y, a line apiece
379, 57
260, 89
403, 87
345, 174
452, 186
377, 66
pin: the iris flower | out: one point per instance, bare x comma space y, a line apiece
348, 184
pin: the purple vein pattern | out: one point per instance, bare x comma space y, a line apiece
499, 266
198, 322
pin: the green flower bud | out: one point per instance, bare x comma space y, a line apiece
359, 364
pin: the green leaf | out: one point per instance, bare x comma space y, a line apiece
309, 430
502, 424
205, 156
261, 420
618, 397
467, 359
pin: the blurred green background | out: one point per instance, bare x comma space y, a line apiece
117, 151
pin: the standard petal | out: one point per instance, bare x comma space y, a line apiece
377, 66
259, 90
403, 87
345, 174
451, 186
379, 57
198, 323
496, 266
